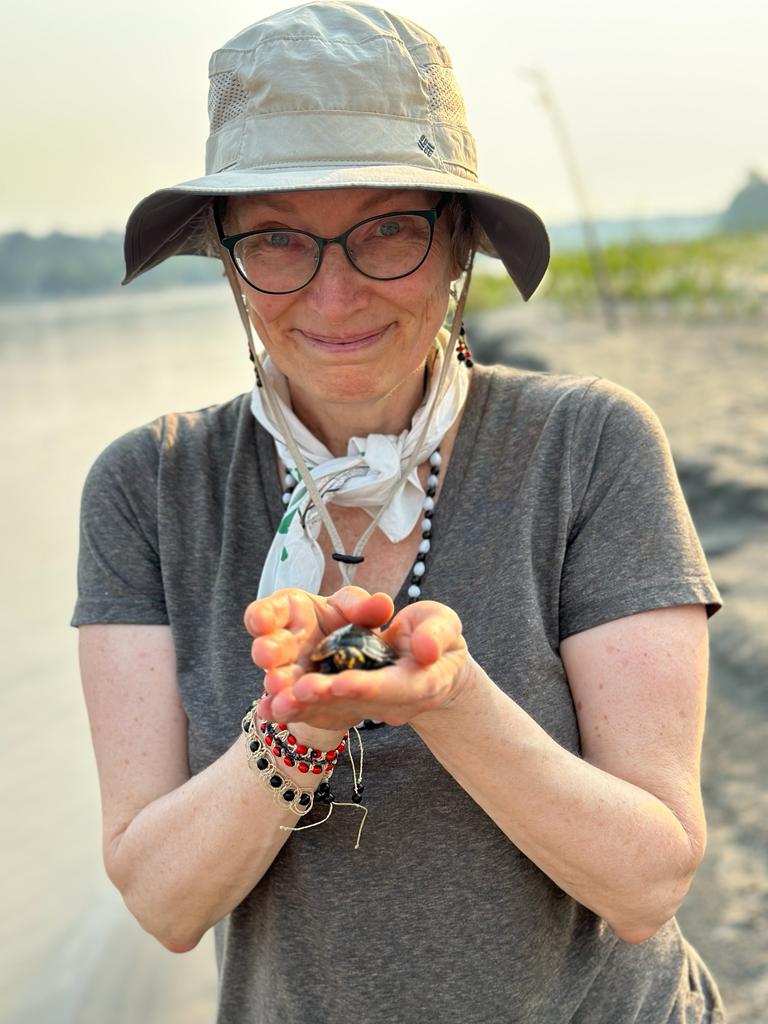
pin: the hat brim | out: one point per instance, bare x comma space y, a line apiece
164, 223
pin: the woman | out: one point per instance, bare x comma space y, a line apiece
531, 796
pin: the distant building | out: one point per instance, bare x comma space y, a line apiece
749, 207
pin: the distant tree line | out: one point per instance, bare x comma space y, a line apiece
748, 210
60, 264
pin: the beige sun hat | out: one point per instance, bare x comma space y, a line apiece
334, 95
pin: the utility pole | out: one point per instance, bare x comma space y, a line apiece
591, 243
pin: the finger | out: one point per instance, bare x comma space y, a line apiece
389, 694
427, 629
354, 684
267, 614
280, 647
283, 707
312, 687
289, 608
282, 678
358, 606
279, 681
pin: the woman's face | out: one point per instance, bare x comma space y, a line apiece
345, 337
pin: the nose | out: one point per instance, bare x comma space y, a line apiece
337, 289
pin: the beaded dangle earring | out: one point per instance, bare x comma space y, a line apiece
463, 353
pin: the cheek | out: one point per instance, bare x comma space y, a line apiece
267, 313
429, 292
434, 302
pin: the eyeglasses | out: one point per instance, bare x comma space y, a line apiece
282, 260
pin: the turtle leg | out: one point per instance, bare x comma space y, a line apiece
348, 657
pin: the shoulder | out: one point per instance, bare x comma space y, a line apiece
142, 451
505, 382
512, 400
583, 402
568, 425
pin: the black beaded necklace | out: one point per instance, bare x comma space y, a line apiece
419, 569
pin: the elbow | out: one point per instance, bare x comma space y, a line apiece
658, 910
175, 948
642, 929
169, 931
635, 935
169, 934
118, 871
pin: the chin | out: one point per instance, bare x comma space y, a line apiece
348, 384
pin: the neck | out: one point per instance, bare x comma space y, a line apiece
334, 422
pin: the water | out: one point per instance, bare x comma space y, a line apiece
74, 374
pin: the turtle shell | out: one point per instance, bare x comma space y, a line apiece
352, 647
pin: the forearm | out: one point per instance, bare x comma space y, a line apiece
191, 856
614, 847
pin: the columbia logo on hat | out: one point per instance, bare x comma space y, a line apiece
426, 145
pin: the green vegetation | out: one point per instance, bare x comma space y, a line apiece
720, 274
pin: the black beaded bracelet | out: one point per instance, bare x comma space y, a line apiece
261, 760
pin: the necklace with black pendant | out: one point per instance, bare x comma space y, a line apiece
419, 568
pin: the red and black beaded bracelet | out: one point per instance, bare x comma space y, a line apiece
284, 744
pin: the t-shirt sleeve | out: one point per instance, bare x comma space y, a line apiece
119, 578
632, 545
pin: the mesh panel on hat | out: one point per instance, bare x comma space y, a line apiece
445, 103
226, 99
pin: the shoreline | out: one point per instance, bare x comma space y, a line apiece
704, 383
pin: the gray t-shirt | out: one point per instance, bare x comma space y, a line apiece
562, 499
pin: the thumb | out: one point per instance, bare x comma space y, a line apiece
356, 605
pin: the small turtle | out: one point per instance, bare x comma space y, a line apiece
352, 647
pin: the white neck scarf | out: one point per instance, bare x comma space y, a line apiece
362, 478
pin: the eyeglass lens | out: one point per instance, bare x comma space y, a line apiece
384, 248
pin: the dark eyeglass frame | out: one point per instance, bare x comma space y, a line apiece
230, 241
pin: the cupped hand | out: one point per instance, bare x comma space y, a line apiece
290, 623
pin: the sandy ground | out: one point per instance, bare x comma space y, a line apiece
706, 381
77, 374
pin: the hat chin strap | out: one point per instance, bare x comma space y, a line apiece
347, 569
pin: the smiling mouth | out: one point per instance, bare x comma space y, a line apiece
349, 340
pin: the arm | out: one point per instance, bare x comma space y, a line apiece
622, 829
182, 851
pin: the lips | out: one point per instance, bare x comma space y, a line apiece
345, 343
337, 340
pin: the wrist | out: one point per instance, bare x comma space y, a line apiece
461, 704
304, 758
320, 739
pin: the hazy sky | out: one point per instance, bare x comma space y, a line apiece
666, 101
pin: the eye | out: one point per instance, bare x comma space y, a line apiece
279, 239
388, 228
